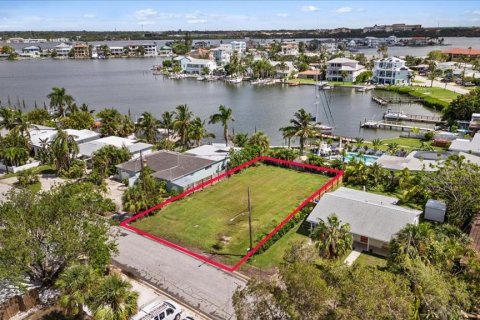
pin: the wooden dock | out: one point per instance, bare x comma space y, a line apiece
417, 118
391, 126
385, 101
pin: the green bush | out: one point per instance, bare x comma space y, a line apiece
77, 170
26, 178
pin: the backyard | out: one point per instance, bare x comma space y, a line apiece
215, 220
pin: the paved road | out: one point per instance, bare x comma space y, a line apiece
439, 84
189, 280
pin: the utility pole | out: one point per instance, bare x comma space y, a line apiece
250, 219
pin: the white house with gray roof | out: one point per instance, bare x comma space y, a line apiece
374, 219
391, 71
338, 67
87, 149
466, 145
180, 171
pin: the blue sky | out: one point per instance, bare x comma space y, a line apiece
231, 15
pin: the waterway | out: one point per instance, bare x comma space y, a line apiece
129, 85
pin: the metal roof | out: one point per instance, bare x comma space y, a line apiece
372, 215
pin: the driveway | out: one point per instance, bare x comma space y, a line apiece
189, 280
3, 189
115, 191
439, 84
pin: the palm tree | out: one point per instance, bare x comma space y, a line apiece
114, 299
376, 143
240, 139
167, 122
60, 99
261, 140
7, 118
411, 242
148, 125
432, 72
332, 238
223, 116
64, 150
359, 142
344, 75
198, 132
77, 284
182, 122
392, 148
302, 126
382, 51
85, 108
288, 133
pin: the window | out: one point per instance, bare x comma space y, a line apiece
170, 311
363, 239
161, 315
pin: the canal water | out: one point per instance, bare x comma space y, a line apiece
129, 85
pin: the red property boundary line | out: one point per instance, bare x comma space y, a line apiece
335, 180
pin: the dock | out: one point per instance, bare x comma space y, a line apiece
418, 118
386, 125
385, 101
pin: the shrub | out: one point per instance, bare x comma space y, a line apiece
77, 170
26, 178
429, 136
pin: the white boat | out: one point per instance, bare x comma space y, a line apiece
323, 128
362, 89
322, 85
201, 78
395, 116
235, 80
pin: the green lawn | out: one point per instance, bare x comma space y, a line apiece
302, 81
370, 259
409, 144
439, 93
215, 220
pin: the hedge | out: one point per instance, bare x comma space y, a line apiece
300, 216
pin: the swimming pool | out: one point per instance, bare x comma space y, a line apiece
368, 160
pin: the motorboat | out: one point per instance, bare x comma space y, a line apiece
323, 85
323, 128
395, 116
235, 80
362, 89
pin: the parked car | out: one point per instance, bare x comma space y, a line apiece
159, 310
468, 84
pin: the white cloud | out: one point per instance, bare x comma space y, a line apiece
344, 10
197, 21
89, 16
476, 12
282, 15
145, 14
310, 8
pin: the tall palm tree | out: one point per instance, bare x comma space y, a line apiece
261, 140
148, 125
198, 132
85, 108
332, 238
77, 284
223, 116
182, 122
60, 100
302, 127
167, 122
288, 133
114, 299
64, 150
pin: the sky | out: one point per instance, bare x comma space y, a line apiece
230, 15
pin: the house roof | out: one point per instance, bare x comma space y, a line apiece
87, 149
466, 145
342, 60
392, 59
410, 162
462, 51
38, 133
167, 165
309, 72
215, 152
372, 215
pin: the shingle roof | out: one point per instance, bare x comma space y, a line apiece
463, 51
167, 165
371, 215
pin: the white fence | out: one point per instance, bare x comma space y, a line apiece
30, 165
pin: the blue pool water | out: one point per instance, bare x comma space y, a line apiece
368, 160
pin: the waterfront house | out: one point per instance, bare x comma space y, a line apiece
214, 152
283, 69
374, 219
414, 161
149, 49
136, 147
81, 51
165, 51
42, 136
180, 171
116, 51
239, 46
458, 53
200, 54
63, 49
195, 66
222, 54
309, 74
391, 71
289, 49
31, 51
338, 67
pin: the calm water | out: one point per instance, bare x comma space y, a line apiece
128, 84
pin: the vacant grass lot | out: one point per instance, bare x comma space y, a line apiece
215, 220
439, 93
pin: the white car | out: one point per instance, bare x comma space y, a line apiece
159, 310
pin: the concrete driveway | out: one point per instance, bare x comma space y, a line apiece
189, 280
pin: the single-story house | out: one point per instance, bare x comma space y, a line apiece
41, 135
374, 219
180, 171
309, 74
466, 145
214, 152
414, 161
87, 149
